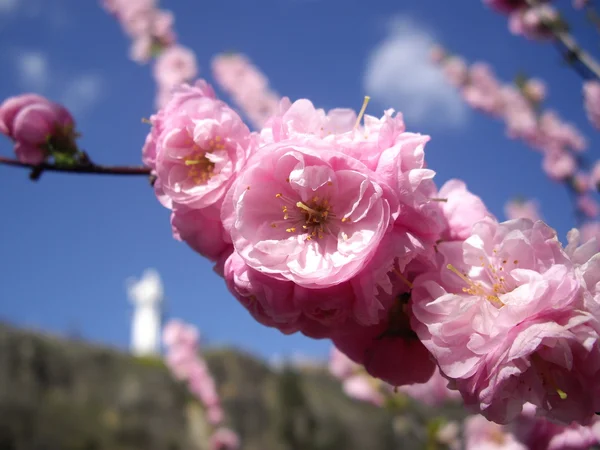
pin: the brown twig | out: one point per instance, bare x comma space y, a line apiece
80, 169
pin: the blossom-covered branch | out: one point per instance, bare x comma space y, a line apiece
186, 364
536, 19
153, 36
247, 86
520, 106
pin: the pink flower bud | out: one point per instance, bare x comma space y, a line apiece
35, 123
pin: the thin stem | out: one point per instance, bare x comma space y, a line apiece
80, 169
573, 50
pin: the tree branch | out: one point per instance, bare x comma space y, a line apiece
573, 50
80, 169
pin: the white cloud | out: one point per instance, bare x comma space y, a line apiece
32, 69
399, 74
8, 6
82, 92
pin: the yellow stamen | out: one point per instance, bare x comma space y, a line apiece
362, 111
562, 394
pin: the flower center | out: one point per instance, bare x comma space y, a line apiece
491, 290
202, 169
311, 217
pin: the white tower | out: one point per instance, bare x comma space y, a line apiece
146, 295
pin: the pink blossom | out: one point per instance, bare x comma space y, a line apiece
535, 90
591, 96
588, 205
559, 165
540, 434
224, 439
201, 147
247, 85
522, 209
174, 66
215, 414
580, 4
304, 212
556, 135
184, 361
456, 70
483, 91
590, 230
434, 392
178, 333
449, 435
595, 176
462, 210
268, 300
291, 308
202, 230
36, 125
340, 365
363, 388
390, 350
520, 118
533, 23
504, 318
481, 434
582, 182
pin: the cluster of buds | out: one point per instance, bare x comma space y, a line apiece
42, 131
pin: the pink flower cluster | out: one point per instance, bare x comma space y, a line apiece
533, 22
38, 127
520, 107
247, 86
511, 317
183, 359
151, 30
332, 226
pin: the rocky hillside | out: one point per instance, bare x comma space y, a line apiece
58, 394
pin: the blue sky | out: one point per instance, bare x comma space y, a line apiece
68, 242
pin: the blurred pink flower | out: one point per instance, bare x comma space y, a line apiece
434, 392
532, 22
591, 98
224, 439
481, 434
363, 388
522, 209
